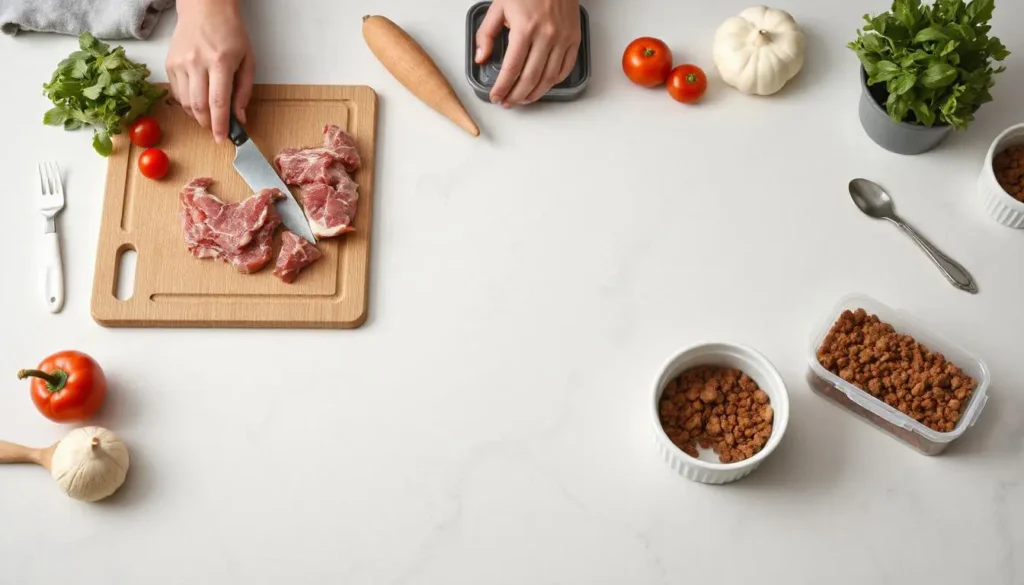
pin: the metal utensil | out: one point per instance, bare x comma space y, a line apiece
876, 203
51, 202
257, 172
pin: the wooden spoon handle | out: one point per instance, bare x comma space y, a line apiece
14, 453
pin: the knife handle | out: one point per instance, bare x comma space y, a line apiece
236, 132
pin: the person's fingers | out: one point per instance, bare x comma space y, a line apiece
550, 76
569, 62
199, 96
243, 86
489, 29
532, 72
174, 80
511, 66
220, 102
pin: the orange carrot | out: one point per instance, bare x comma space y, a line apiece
406, 60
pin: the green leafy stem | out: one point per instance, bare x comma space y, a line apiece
100, 88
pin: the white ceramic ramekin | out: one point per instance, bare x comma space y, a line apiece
753, 364
998, 203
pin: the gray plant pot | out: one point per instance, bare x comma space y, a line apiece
898, 137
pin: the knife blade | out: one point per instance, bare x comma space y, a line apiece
255, 169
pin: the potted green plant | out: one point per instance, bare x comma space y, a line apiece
925, 70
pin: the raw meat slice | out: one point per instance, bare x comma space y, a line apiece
296, 253
240, 234
259, 252
329, 163
344, 147
330, 210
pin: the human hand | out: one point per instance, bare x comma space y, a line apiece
210, 63
544, 40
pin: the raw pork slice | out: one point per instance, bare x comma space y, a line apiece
258, 253
330, 210
328, 164
240, 234
296, 253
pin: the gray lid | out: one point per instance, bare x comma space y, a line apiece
482, 77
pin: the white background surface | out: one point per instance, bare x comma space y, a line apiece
491, 421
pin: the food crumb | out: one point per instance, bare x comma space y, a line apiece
906, 374
719, 408
1009, 169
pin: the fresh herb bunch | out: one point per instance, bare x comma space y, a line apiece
935, 61
100, 88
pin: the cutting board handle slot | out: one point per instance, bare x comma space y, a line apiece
127, 261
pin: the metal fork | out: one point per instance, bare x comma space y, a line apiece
51, 202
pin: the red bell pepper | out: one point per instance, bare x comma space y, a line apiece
68, 386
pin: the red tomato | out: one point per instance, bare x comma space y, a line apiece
647, 61
145, 132
153, 163
687, 84
68, 386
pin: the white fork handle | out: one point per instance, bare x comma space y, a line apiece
53, 273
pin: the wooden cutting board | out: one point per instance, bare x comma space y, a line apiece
174, 289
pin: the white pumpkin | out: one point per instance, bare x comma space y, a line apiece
90, 463
760, 50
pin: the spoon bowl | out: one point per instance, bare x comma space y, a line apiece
871, 199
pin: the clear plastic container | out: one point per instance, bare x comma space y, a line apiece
877, 412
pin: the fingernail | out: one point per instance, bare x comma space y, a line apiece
242, 117
495, 99
479, 53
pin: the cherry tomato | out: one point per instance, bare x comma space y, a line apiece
647, 61
687, 84
153, 163
68, 386
145, 132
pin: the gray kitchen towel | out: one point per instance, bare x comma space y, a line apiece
105, 19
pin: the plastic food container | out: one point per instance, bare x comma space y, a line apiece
998, 203
877, 412
708, 469
483, 77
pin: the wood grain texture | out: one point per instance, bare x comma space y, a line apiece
174, 289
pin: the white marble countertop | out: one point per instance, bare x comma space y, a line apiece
490, 423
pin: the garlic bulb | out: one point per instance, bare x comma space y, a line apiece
760, 50
90, 463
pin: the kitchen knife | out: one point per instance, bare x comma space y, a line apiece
257, 172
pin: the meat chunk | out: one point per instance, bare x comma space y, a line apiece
240, 234
328, 164
296, 253
330, 210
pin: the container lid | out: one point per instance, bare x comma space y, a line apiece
483, 77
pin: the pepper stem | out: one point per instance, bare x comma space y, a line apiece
54, 382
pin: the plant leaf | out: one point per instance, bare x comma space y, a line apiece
997, 49
980, 11
101, 143
903, 83
904, 12
932, 33
92, 92
939, 75
72, 124
55, 116
873, 43
81, 69
86, 41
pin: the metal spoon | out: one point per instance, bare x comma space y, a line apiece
876, 203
